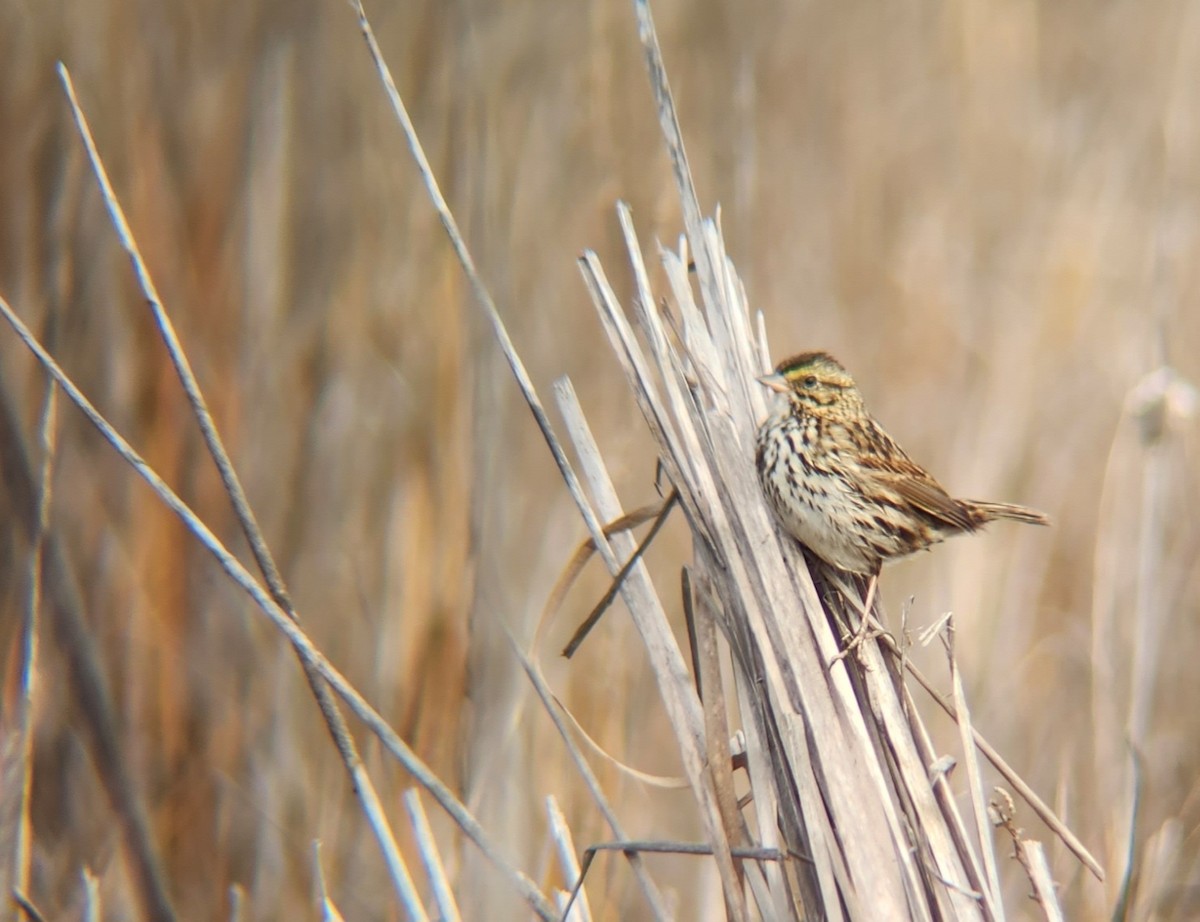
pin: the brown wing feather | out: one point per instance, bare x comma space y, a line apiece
927, 496
891, 468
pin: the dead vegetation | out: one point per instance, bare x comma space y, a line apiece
988, 208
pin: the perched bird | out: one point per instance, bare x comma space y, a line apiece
842, 486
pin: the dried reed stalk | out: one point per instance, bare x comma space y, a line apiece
840, 766
839, 778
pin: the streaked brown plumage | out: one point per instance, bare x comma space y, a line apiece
842, 486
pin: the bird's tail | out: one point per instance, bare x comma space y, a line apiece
1010, 511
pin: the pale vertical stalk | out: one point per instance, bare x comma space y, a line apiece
983, 827
435, 871
564, 847
92, 907
679, 698
1043, 880
27, 670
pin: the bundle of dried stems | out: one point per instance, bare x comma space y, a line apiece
843, 778
851, 815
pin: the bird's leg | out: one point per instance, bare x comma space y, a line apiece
864, 625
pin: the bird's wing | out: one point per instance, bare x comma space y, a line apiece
888, 468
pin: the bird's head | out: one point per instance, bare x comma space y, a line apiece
814, 381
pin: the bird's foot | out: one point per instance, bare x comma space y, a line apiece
868, 627
852, 643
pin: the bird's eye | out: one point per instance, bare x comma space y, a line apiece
810, 381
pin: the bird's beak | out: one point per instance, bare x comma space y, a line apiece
775, 382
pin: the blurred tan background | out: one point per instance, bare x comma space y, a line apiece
987, 210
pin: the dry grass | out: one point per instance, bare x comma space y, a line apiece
985, 210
